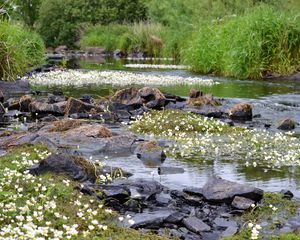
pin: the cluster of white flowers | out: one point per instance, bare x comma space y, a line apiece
115, 78
205, 139
156, 66
29, 206
254, 230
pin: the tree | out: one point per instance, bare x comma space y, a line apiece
28, 10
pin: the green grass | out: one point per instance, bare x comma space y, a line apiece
48, 205
20, 50
263, 40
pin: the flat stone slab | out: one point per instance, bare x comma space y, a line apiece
242, 203
196, 225
218, 190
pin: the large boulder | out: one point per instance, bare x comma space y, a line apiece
94, 131
287, 124
76, 167
150, 153
42, 107
78, 106
241, 111
218, 190
127, 96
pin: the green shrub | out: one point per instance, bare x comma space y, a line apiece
262, 41
19, 50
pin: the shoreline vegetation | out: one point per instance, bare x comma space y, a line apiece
240, 39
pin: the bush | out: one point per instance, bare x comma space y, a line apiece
19, 50
261, 41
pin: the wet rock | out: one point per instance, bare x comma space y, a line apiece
169, 170
162, 199
152, 97
150, 153
287, 124
77, 106
218, 190
196, 225
176, 105
208, 111
241, 111
287, 194
42, 107
15, 87
151, 220
242, 203
76, 167
13, 114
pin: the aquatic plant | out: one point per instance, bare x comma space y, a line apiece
20, 50
201, 139
115, 78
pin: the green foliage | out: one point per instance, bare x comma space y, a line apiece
249, 46
60, 23
28, 10
141, 36
20, 50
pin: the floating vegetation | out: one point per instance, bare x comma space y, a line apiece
197, 137
157, 66
115, 78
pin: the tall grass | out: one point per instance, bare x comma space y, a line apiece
261, 41
143, 36
19, 50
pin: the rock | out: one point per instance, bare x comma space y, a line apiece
203, 100
1, 97
150, 220
208, 111
120, 193
287, 124
87, 99
19, 86
22, 104
150, 153
149, 94
242, 203
176, 217
241, 111
42, 107
287, 194
95, 50
13, 114
127, 96
49, 118
75, 167
77, 106
225, 223
230, 231
195, 225
218, 190
94, 131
